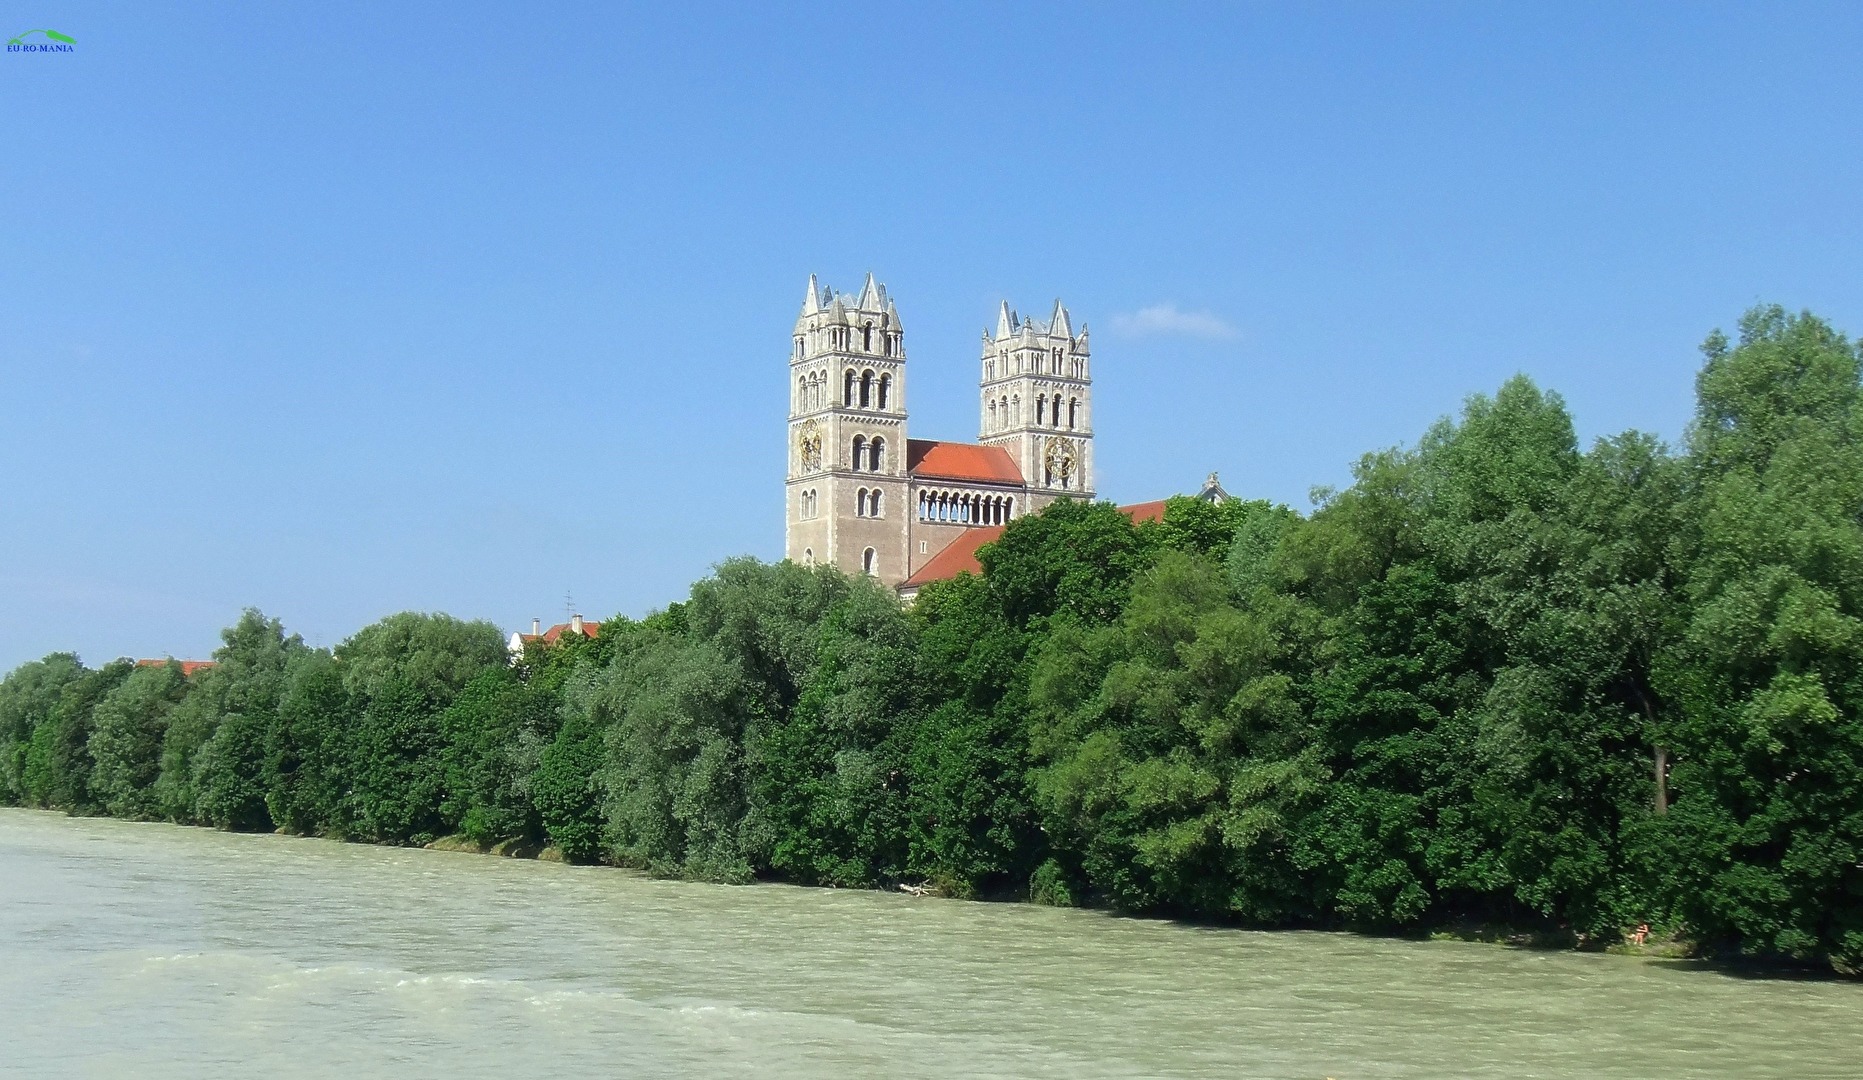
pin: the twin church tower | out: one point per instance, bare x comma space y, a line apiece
864, 497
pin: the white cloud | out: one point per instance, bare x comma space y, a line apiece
1161, 320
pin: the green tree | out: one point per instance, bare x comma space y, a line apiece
224, 787
126, 744
1766, 833
28, 695
402, 673
1177, 753
58, 767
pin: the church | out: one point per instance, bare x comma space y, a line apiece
865, 497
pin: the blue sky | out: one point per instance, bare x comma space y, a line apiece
338, 310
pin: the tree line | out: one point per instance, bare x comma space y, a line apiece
1499, 677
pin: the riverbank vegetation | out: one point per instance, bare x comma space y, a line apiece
1500, 678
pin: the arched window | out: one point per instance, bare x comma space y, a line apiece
808, 556
866, 389
873, 504
1041, 402
801, 350
847, 393
1015, 409
869, 563
989, 370
992, 423
802, 394
860, 452
886, 391
866, 338
1073, 412
877, 454
860, 503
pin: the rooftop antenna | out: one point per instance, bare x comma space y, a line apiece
569, 604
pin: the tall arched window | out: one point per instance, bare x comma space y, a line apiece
869, 564
1041, 402
992, 423
802, 394
860, 452
1073, 412
808, 556
886, 391
873, 504
877, 455
860, 503
989, 370
847, 392
866, 338
866, 389
1015, 409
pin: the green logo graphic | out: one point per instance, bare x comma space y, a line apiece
51, 41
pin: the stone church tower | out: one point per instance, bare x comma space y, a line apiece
1037, 403
848, 504
862, 497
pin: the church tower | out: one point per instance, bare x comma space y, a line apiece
847, 486
1037, 403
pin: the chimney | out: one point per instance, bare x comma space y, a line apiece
575, 624
536, 627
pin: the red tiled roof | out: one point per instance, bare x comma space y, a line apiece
590, 628
961, 461
188, 667
958, 557
1145, 511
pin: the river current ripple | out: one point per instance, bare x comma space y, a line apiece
156, 951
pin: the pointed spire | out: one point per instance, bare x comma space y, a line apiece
1005, 322
812, 303
892, 315
870, 298
1059, 324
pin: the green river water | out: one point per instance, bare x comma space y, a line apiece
139, 950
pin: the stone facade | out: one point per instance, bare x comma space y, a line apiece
864, 497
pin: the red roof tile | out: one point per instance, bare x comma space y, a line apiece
961, 461
958, 557
590, 628
188, 667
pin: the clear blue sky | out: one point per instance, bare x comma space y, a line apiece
339, 310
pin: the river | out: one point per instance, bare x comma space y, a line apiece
154, 951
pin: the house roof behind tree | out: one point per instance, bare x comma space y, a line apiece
960, 555
188, 667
